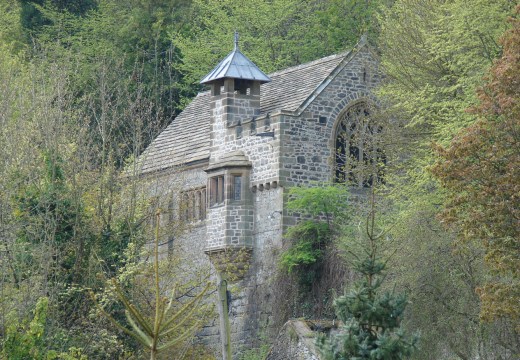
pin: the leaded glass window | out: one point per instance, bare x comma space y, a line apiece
359, 158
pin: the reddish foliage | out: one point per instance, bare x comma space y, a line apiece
481, 172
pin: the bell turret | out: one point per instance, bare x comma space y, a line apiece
235, 81
235, 100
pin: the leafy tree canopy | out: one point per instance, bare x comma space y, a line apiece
273, 34
435, 54
481, 171
371, 318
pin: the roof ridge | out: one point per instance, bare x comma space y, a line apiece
308, 64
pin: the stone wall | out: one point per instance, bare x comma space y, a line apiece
216, 227
250, 308
300, 152
263, 152
255, 221
240, 134
308, 139
296, 341
251, 312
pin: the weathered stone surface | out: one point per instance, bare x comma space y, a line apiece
287, 138
296, 341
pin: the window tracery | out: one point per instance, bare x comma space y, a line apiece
359, 155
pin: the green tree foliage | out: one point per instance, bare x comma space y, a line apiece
49, 213
31, 343
311, 267
32, 19
130, 36
274, 34
435, 55
321, 207
326, 201
309, 239
168, 327
339, 24
440, 284
481, 171
371, 319
11, 34
66, 213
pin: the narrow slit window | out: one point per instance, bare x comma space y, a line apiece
202, 209
220, 189
237, 187
197, 205
185, 207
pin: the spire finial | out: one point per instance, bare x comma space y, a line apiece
236, 40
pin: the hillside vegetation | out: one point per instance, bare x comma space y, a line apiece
85, 86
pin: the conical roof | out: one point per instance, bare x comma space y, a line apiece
237, 66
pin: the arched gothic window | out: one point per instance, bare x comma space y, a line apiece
359, 156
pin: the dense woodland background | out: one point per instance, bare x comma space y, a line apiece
86, 85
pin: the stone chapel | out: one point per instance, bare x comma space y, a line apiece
239, 147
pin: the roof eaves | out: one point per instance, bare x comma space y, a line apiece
201, 161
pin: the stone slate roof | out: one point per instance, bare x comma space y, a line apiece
187, 139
